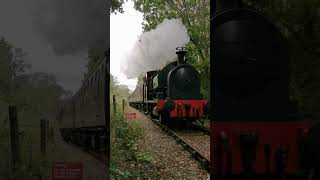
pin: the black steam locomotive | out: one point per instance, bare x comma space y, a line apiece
172, 93
253, 136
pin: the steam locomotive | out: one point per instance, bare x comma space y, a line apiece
172, 93
253, 135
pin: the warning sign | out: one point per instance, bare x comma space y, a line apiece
131, 116
67, 171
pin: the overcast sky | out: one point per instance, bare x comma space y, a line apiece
40, 26
54, 33
124, 31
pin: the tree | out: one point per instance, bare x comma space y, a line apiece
121, 91
12, 65
195, 15
299, 21
116, 6
39, 91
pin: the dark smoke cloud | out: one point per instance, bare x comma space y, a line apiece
72, 26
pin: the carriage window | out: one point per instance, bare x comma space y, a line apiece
95, 77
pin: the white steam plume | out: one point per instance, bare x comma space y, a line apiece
155, 48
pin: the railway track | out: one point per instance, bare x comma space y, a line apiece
201, 127
181, 137
99, 155
201, 157
199, 140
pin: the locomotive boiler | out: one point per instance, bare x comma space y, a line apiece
172, 93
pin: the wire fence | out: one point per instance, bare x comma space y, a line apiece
27, 152
118, 105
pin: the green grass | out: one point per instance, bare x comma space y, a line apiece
124, 148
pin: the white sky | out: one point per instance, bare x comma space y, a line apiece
124, 31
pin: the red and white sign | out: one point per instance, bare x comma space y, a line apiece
67, 171
131, 116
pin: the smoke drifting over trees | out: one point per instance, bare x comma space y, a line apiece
155, 48
72, 26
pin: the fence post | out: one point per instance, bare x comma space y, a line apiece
43, 135
14, 136
123, 104
114, 104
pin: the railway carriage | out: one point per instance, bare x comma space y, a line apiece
84, 117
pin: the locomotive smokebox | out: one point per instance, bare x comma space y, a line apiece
181, 52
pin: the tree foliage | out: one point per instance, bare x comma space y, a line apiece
117, 89
299, 21
38, 92
116, 6
195, 15
11, 65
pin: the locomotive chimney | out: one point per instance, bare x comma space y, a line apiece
181, 52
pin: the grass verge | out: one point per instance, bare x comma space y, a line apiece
127, 161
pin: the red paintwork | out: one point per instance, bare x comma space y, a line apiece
131, 116
67, 171
200, 104
273, 133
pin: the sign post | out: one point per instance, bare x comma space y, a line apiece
131, 116
123, 104
67, 171
114, 104
14, 136
43, 136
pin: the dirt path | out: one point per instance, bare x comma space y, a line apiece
171, 160
93, 169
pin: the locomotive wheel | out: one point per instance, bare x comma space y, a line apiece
189, 123
164, 118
